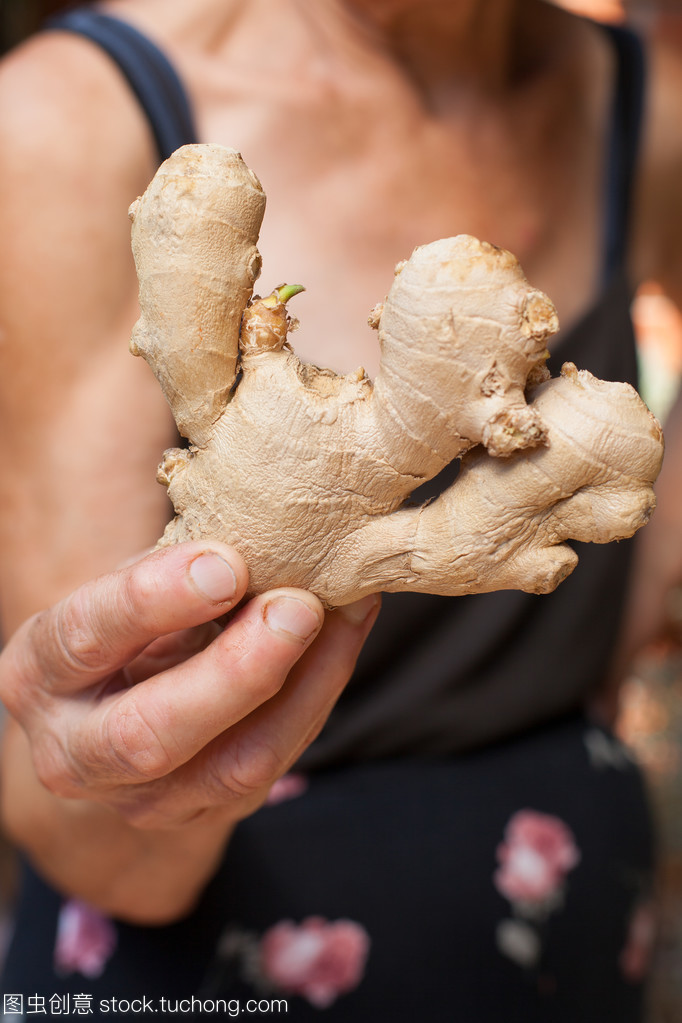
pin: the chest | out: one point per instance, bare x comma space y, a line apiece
351, 191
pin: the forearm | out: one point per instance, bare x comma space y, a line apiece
87, 850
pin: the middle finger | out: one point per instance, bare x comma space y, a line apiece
148, 731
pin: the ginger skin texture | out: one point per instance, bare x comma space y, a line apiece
308, 473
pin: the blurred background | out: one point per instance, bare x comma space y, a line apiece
651, 714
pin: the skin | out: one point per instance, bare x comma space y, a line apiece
303, 90
165, 779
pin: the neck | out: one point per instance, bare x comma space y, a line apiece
440, 44
464, 41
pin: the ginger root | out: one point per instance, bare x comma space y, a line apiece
308, 473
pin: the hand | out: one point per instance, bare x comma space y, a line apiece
132, 696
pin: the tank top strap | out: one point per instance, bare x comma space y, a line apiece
623, 145
152, 78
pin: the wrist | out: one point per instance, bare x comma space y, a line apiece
88, 851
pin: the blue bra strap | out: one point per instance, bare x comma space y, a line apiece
623, 145
148, 71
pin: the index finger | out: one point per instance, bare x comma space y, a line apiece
105, 623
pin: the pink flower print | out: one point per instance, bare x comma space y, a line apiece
85, 940
287, 787
317, 959
537, 853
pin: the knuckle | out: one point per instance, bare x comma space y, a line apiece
77, 645
81, 635
262, 685
268, 684
239, 657
144, 811
134, 744
55, 769
20, 676
140, 590
244, 769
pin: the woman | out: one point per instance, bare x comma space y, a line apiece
454, 756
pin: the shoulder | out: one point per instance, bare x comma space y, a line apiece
74, 153
657, 237
66, 114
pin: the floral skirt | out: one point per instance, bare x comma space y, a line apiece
512, 885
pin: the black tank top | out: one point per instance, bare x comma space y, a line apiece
443, 675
